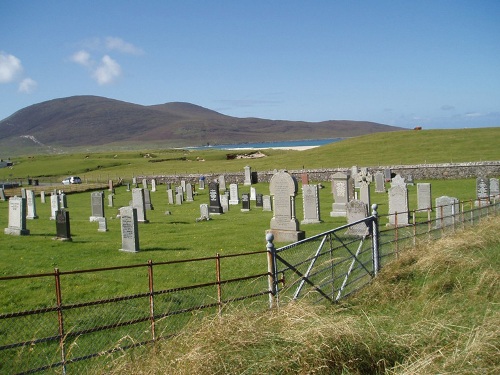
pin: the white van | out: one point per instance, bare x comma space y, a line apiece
72, 180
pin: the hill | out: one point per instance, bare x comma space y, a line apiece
92, 121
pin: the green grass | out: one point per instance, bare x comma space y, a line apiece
393, 148
433, 311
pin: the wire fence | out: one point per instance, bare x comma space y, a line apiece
81, 317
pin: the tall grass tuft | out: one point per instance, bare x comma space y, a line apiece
434, 310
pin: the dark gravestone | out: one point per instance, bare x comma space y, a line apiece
245, 202
215, 207
63, 231
259, 202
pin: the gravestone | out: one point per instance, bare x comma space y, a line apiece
304, 178
42, 196
63, 201
215, 206
128, 186
387, 174
248, 176
2, 195
253, 193
153, 185
145, 184
398, 180
364, 192
482, 191
183, 186
189, 192
222, 183
129, 228
354, 175
170, 196
111, 198
204, 213
447, 209
224, 202
139, 205
97, 205
201, 183
110, 185
266, 203
63, 231
379, 182
398, 205
494, 188
424, 199
234, 198
284, 224
357, 210
31, 205
409, 180
103, 225
23, 193
17, 217
54, 205
147, 200
259, 200
341, 187
245, 202
134, 182
310, 204
179, 197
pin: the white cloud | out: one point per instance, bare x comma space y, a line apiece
82, 57
27, 86
107, 72
10, 67
118, 44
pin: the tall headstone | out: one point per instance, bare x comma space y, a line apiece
42, 196
183, 186
63, 231
145, 184
153, 185
201, 183
266, 203
17, 217
139, 204
147, 200
97, 205
224, 202
215, 206
189, 192
31, 205
63, 200
259, 201
111, 199
341, 186
494, 188
284, 224
482, 190
379, 182
134, 182
103, 225
387, 174
304, 178
354, 175
245, 202
204, 213
253, 193
129, 228
398, 205
2, 194
447, 209
170, 196
248, 176
179, 198
222, 183
424, 199
234, 198
356, 210
310, 204
110, 185
54, 205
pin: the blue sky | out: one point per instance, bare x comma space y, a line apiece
434, 64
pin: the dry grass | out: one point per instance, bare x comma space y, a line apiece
433, 311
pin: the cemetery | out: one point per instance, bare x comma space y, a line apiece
162, 218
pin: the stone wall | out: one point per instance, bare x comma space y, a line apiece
419, 172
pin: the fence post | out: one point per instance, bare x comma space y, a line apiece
151, 299
414, 228
218, 279
60, 318
271, 270
375, 240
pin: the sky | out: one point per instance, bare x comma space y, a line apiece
434, 64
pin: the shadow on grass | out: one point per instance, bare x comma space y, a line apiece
164, 248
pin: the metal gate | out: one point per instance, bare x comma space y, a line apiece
330, 265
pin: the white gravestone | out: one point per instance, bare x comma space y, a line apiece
447, 209
248, 176
31, 205
379, 182
284, 224
357, 210
424, 199
310, 204
266, 203
494, 188
139, 204
398, 205
54, 205
17, 217
234, 198
129, 229
97, 205
341, 186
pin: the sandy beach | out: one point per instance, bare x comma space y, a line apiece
296, 148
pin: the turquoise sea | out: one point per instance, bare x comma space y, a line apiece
305, 142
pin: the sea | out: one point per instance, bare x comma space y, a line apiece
284, 144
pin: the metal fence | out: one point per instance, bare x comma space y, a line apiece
85, 316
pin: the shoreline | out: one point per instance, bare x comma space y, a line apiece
295, 148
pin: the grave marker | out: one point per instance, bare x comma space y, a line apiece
341, 187
189, 193
139, 205
379, 182
147, 200
310, 204
266, 203
215, 206
234, 198
63, 231
357, 210
129, 228
97, 205
54, 205
494, 188
245, 202
31, 205
447, 208
17, 217
424, 199
248, 176
398, 205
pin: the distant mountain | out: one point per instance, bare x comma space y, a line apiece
89, 121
